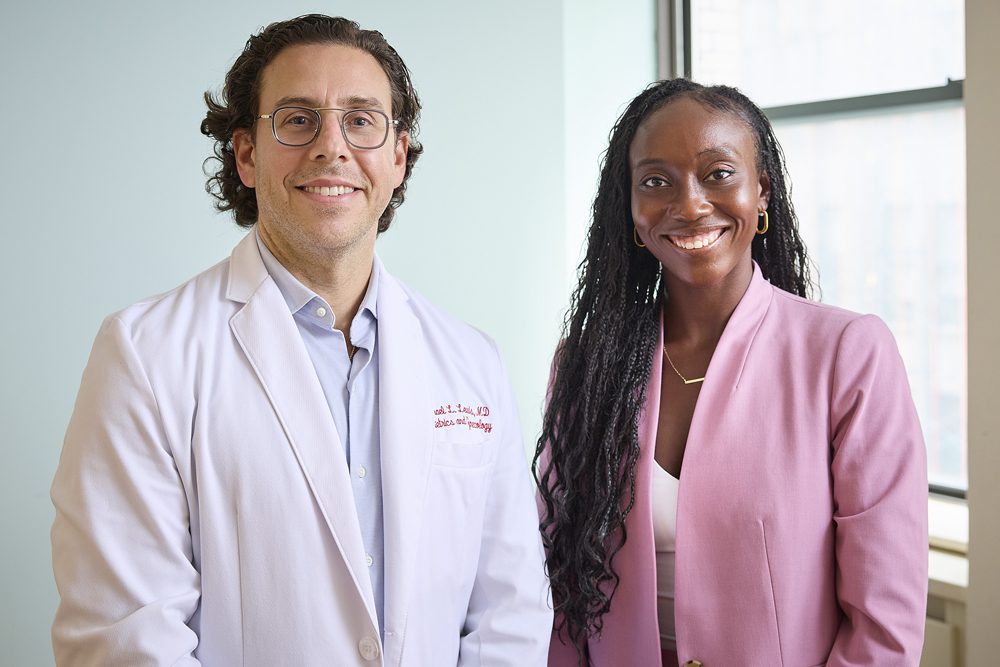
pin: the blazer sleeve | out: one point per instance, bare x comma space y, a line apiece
121, 540
509, 619
879, 469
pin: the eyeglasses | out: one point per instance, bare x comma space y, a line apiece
299, 126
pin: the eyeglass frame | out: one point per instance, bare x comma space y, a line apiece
390, 123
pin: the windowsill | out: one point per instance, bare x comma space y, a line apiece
948, 565
949, 575
948, 523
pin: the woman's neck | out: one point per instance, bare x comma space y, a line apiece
696, 316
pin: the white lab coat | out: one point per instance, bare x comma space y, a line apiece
204, 512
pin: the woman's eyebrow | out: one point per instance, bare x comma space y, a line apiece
725, 151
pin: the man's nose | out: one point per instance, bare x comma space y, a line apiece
330, 143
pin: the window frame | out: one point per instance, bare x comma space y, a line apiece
673, 49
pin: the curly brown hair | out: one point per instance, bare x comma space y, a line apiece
236, 107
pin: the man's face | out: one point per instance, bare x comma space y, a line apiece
321, 200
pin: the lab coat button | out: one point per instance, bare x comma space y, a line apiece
362, 472
368, 648
369, 559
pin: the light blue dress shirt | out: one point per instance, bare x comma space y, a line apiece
351, 389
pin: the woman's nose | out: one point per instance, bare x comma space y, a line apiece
691, 202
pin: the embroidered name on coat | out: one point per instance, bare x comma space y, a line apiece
458, 414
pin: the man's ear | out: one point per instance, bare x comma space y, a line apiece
399, 157
246, 158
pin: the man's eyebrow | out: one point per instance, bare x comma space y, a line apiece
352, 102
296, 101
361, 102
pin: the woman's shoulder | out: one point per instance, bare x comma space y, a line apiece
801, 309
819, 322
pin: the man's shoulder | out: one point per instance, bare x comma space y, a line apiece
176, 306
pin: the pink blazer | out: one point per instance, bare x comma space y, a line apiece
802, 509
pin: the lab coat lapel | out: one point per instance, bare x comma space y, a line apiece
406, 428
272, 343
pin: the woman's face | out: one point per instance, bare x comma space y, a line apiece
696, 191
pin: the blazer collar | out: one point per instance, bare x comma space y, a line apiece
740, 333
724, 371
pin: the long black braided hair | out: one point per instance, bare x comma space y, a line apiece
586, 459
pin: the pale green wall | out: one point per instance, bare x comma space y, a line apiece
101, 199
610, 56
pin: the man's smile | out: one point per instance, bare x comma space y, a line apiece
327, 191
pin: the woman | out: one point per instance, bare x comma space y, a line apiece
729, 474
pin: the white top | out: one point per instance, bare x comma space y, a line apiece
665, 488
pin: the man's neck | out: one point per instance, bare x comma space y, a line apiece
340, 279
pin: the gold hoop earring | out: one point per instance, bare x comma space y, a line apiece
635, 237
762, 230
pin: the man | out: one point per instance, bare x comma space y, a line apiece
293, 459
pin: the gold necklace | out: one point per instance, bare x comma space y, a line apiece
685, 380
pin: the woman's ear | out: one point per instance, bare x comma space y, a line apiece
765, 191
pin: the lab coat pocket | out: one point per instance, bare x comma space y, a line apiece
451, 454
457, 491
460, 476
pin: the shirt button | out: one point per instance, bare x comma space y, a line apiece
362, 472
368, 648
321, 312
369, 560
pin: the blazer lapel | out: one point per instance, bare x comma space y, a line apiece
406, 429
267, 333
725, 370
740, 332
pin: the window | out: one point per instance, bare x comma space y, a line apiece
865, 98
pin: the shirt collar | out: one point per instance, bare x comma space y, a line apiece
298, 296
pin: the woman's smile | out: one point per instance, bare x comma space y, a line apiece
702, 240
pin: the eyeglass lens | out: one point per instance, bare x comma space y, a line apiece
298, 126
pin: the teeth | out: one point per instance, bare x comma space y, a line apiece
695, 242
335, 191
